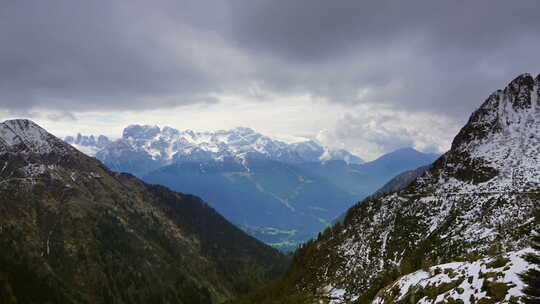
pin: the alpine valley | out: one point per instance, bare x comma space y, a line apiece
281, 193
73, 231
457, 234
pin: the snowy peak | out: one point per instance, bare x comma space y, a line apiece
500, 142
22, 135
505, 111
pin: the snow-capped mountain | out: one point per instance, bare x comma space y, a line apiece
499, 148
476, 200
143, 148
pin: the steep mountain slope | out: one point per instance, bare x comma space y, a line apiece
145, 148
476, 200
72, 231
280, 203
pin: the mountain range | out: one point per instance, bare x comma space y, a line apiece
283, 194
144, 148
73, 231
456, 234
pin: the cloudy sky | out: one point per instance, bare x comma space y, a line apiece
370, 76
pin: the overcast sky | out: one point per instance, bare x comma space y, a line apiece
369, 76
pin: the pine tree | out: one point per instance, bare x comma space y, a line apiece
531, 278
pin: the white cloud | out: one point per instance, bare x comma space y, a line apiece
371, 130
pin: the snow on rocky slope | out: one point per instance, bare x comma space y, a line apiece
486, 280
475, 200
26, 137
28, 152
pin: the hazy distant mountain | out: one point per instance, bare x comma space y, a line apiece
73, 231
457, 234
89, 145
363, 179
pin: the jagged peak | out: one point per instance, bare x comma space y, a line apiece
168, 144
503, 109
500, 140
525, 78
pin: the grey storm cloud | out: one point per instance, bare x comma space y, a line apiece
431, 56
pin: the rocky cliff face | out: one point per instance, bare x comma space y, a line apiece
477, 199
72, 231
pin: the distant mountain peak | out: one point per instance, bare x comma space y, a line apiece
88, 144
140, 131
402, 151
